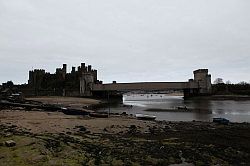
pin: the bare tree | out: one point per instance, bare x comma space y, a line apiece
228, 82
218, 81
242, 83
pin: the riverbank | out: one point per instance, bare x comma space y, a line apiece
53, 138
71, 102
222, 97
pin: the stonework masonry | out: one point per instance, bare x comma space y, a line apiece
203, 79
76, 83
84, 82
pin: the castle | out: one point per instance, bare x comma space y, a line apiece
83, 82
76, 83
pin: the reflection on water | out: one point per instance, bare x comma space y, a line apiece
236, 111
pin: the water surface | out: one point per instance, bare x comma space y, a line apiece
235, 111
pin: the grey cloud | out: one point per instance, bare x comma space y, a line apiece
132, 40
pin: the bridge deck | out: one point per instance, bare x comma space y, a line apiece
147, 86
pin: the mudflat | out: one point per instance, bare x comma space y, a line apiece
53, 138
57, 122
65, 101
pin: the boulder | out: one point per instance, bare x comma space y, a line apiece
10, 143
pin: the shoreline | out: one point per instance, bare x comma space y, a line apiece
220, 97
118, 140
54, 138
208, 97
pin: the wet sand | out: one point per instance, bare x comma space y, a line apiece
57, 122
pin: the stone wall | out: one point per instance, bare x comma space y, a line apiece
61, 83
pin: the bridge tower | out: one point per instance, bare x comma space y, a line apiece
200, 85
203, 80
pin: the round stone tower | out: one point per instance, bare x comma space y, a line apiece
86, 84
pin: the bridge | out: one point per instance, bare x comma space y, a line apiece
145, 86
199, 85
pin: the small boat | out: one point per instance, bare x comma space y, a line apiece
221, 120
71, 111
99, 115
181, 108
145, 117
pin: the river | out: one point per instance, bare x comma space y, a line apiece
235, 111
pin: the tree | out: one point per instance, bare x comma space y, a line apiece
228, 82
9, 84
242, 83
218, 81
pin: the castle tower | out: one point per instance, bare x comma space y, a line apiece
89, 68
73, 70
83, 68
65, 67
82, 65
86, 84
64, 71
95, 75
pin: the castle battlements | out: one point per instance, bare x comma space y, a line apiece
61, 80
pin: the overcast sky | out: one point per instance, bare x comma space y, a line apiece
126, 40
